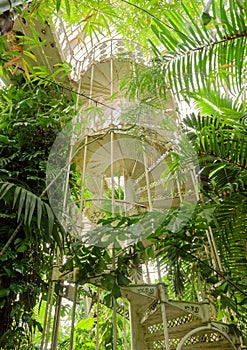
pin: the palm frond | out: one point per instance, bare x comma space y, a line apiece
195, 56
221, 143
215, 103
231, 219
29, 207
221, 146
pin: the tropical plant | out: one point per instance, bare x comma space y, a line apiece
28, 229
220, 143
204, 62
197, 56
199, 53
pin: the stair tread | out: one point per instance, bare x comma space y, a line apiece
202, 340
142, 294
202, 346
174, 310
174, 332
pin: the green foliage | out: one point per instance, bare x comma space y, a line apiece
21, 272
198, 55
30, 118
194, 56
220, 142
95, 323
26, 203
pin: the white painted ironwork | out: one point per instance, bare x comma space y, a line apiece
125, 148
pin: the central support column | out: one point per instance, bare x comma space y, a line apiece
137, 331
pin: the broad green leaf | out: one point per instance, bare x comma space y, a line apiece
122, 280
67, 5
218, 168
16, 195
33, 201
50, 218
86, 323
4, 292
58, 5
5, 187
27, 206
21, 203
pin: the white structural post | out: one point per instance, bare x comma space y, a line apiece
47, 320
137, 334
91, 85
163, 307
83, 176
113, 249
150, 203
71, 345
9, 4
56, 323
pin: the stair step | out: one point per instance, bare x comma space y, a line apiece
208, 339
204, 339
220, 344
141, 294
156, 331
149, 297
175, 310
182, 318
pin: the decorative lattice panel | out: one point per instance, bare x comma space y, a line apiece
210, 340
181, 320
159, 344
155, 328
211, 337
158, 327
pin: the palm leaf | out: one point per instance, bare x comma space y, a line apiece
231, 220
195, 56
221, 144
25, 202
222, 150
214, 103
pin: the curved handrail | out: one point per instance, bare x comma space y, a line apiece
204, 328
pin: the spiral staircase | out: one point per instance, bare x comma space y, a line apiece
110, 153
188, 325
160, 323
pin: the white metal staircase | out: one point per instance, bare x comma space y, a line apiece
189, 324
156, 321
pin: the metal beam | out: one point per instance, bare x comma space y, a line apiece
9, 4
